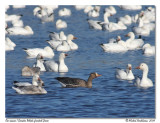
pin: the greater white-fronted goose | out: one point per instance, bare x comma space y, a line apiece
76, 82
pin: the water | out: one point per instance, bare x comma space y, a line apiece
108, 98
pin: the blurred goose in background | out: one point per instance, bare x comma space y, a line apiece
9, 45
27, 88
94, 12
40, 62
144, 82
76, 82
130, 7
33, 52
64, 12
18, 6
30, 71
88, 8
61, 24
57, 66
27, 30
111, 10
125, 74
133, 43
149, 50
127, 20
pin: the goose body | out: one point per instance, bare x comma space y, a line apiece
64, 12
30, 71
149, 50
9, 45
61, 24
76, 82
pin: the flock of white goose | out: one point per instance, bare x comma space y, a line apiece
63, 43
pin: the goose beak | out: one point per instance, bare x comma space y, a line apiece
130, 68
98, 75
74, 38
66, 54
138, 67
39, 79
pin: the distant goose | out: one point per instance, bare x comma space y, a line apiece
76, 82
94, 12
130, 7
64, 12
12, 17
9, 45
30, 71
111, 10
61, 24
40, 62
33, 52
57, 67
27, 88
148, 49
127, 20
27, 30
145, 82
125, 75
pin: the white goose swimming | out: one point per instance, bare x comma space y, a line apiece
27, 30
27, 88
57, 67
12, 17
145, 82
125, 75
39, 62
94, 12
149, 50
61, 24
130, 7
64, 12
127, 20
33, 52
57, 36
133, 43
9, 45
111, 10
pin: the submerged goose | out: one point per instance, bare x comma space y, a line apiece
76, 82
27, 30
39, 62
27, 88
61, 24
145, 82
133, 43
33, 52
148, 49
9, 45
125, 75
30, 71
57, 67
64, 12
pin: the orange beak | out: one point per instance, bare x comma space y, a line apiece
74, 38
138, 67
99, 75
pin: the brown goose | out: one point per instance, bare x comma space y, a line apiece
76, 82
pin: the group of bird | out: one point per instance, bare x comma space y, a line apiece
63, 43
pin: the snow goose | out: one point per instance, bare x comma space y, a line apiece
145, 82
131, 7
18, 6
27, 88
33, 52
115, 47
12, 17
57, 36
57, 67
64, 12
76, 82
94, 12
30, 71
39, 62
125, 75
18, 23
9, 45
148, 49
63, 47
111, 10
127, 20
27, 30
133, 43
61, 24
88, 8
72, 45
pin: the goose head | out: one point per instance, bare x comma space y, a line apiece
143, 67
39, 56
118, 38
129, 66
35, 79
131, 35
62, 56
71, 37
94, 75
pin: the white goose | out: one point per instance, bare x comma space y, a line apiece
57, 36
130, 7
127, 20
94, 12
33, 52
57, 67
149, 50
125, 75
12, 17
9, 45
27, 30
61, 24
133, 43
39, 62
111, 10
27, 88
64, 12
145, 82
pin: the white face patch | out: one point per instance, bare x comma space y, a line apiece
96, 74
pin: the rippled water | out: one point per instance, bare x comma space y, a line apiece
108, 98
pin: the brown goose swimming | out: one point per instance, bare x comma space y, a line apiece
76, 82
